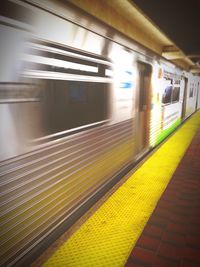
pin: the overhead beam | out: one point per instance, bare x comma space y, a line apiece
195, 70
173, 55
172, 52
194, 56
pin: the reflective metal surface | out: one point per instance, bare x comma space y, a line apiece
70, 115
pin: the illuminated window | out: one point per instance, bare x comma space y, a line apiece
191, 90
175, 94
171, 92
167, 94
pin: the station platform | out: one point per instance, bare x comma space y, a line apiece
150, 218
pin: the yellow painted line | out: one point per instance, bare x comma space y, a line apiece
107, 238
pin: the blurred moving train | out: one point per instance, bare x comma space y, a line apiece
79, 103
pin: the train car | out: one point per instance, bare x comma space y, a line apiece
192, 95
79, 104
171, 101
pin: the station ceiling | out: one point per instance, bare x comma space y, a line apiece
179, 20
169, 28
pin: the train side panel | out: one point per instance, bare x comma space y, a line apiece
198, 93
192, 94
76, 126
167, 103
77, 108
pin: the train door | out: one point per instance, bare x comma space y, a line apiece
184, 98
197, 99
144, 87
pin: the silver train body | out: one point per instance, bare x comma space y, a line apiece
79, 103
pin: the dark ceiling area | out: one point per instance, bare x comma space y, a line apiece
178, 19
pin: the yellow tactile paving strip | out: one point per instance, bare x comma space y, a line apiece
107, 238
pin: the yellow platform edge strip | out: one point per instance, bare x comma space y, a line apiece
108, 236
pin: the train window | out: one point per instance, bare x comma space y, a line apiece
167, 94
175, 94
75, 85
171, 92
191, 94
77, 93
70, 104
